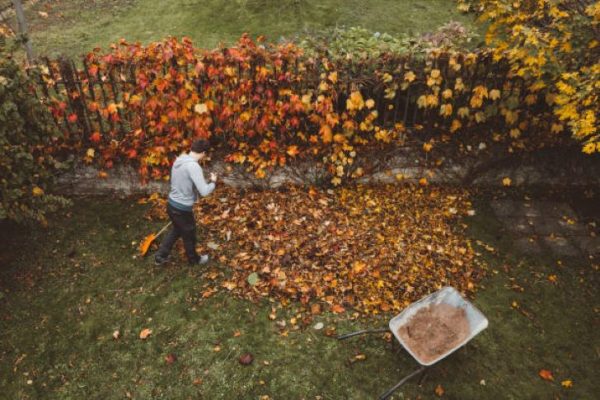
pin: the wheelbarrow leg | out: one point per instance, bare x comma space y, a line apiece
402, 382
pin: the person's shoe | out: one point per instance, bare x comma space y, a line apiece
203, 259
158, 260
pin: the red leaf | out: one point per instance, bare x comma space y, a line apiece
95, 137
546, 375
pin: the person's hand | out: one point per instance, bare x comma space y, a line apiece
213, 177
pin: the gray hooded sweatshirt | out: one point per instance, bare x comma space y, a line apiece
186, 175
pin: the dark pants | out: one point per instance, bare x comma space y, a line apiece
184, 226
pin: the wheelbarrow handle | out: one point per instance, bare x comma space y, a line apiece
363, 332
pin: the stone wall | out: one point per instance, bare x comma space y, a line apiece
545, 170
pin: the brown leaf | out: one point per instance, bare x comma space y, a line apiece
246, 359
170, 358
439, 390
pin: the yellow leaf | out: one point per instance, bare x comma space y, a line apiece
506, 181
370, 103
358, 267
589, 148
456, 125
446, 110
567, 383
37, 191
494, 94
409, 76
90, 153
260, 173
333, 77
292, 150
446, 94
355, 102
200, 108
427, 147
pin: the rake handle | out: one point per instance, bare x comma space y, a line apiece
164, 228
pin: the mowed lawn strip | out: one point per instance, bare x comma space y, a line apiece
74, 27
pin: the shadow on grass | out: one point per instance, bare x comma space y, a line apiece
65, 291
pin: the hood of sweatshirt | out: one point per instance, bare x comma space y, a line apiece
182, 160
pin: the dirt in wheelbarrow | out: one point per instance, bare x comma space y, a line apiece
434, 330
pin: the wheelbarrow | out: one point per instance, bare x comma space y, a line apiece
447, 295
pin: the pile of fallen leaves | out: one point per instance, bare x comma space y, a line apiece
371, 248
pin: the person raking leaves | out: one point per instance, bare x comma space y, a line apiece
187, 178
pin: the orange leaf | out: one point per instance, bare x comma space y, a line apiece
145, 333
546, 375
337, 309
439, 390
292, 150
326, 134
95, 137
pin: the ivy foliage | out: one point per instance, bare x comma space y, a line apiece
27, 167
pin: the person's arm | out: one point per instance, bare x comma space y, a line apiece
198, 178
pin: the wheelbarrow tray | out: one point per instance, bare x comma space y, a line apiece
447, 295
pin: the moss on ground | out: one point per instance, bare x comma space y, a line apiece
65, 290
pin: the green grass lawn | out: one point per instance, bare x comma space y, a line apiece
74, 27
65, 290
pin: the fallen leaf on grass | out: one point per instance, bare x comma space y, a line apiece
145, 333
336, 308
546, 375
246, 359
314, 246
170, 358
439, 390
506, 181
567, 383
116, 334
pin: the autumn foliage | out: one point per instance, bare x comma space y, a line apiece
554, 47
265, 105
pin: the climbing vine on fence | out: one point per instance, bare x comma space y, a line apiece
266, 105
